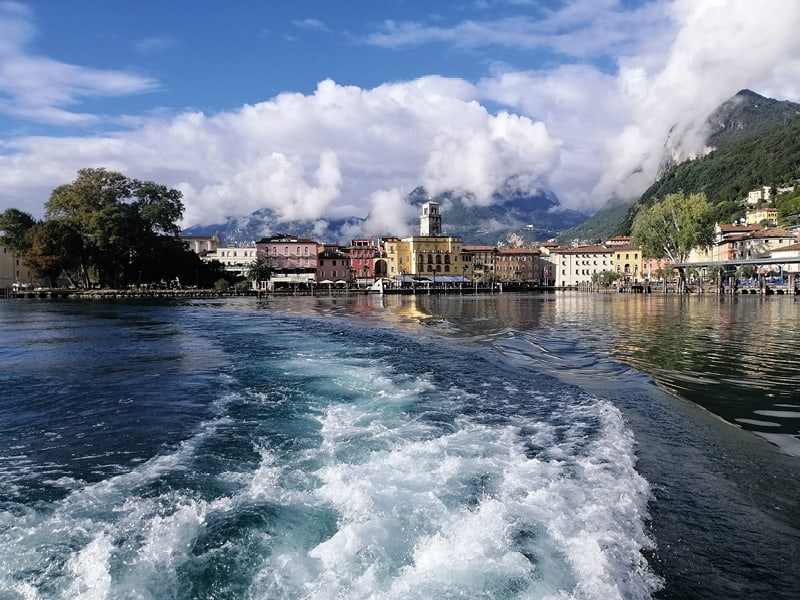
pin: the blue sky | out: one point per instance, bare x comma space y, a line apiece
321, 110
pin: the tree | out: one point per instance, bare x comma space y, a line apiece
489, 278
54, 250
746, 271
16, 226
673, 226
259, 270
604, 278
122, 223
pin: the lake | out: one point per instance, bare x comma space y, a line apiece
561, 445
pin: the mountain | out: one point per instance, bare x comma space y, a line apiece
603, 224
756, 142
513, 218
747, 115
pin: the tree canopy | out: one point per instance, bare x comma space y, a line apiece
671, 227
105, 228
16, 227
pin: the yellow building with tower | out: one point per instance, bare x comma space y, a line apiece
429, 256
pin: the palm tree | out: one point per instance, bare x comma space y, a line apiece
259, 270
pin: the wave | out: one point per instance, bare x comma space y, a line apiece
344, 462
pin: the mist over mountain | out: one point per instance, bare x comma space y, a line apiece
516, 216
746, 115
749, 141
513, 217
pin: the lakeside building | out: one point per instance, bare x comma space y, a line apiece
548, 263
333, 265
367, 260
765, 215
292, 260
14, 272
202, 244
483, 260
757, 244
575, 266
724, 238
626, 260
429, 254
519, 265
759, 194
234, 259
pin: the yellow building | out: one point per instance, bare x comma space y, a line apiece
627, 261
768, 214
429, 254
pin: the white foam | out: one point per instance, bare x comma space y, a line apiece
90, 570
428, 514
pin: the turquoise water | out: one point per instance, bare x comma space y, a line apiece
431, 447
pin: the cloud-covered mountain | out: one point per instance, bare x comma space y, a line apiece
513, 214
743, 146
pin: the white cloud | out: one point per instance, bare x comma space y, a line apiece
587, 132
40, 89
581, 28
311, 24
324, 155
154, 44
720, 47
477, 156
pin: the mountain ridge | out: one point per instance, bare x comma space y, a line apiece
752, 143
514, 217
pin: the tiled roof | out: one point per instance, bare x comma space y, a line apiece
763, 234
790, 248
519, 251
583, 250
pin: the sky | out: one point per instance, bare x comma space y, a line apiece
321, 110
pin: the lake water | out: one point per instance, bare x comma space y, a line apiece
510, 446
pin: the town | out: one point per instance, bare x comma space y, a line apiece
753, 256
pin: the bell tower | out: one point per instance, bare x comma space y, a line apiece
430, 221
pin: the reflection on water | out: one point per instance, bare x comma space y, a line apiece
734, 356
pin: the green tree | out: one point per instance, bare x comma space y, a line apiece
489, 278
604, 278
259, 270
673, 226
16, 227
53, 251
121, 222
746, 271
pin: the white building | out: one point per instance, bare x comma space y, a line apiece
763, 242
757, 195
200, 244
234, 259
575, 266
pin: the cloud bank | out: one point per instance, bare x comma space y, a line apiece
590, 130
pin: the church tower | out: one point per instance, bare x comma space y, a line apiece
430, 221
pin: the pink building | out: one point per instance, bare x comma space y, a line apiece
291, 259
333, 264
365, 259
